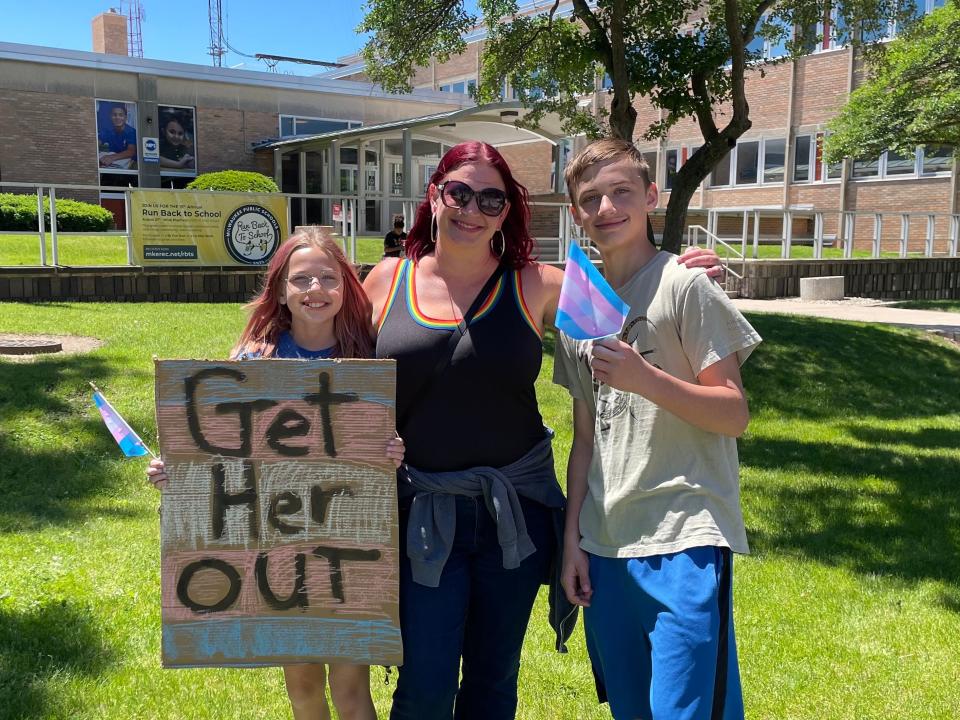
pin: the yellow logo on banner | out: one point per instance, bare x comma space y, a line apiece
206, 228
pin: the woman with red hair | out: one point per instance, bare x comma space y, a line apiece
480, 507
311, 305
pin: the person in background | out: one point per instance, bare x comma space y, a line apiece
394, 240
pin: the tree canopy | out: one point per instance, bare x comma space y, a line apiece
912, 97
690, 58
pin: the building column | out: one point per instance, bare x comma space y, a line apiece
407, 163
386, 186
361, 210
302, 185
278, 167
334, 166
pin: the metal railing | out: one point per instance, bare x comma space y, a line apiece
711, 242
551, 248
48, 236
846, 237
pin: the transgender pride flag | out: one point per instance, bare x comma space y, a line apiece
589, 308
129, 442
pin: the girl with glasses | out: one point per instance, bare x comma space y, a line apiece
480, 506
311, 305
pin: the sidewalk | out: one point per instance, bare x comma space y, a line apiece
859, 310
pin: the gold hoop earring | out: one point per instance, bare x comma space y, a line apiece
434, 229
503, 243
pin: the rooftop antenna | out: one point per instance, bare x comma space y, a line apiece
135, 17
216, 48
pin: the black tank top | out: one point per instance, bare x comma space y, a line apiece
482, 410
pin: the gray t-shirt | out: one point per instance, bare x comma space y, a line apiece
657, 484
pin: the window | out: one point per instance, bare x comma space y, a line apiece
898, 164
936, 158
720, 177
651, 158
291, 125
747, 156
672, 165
751, 162
802, 158
459, 86
866, 168
774, 157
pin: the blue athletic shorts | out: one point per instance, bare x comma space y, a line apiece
660, 635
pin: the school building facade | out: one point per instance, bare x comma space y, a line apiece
777, 165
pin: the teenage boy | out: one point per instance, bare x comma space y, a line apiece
653, 508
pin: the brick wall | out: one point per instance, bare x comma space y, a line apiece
110, 33
821, 87
224, 138
531, 164
900, 279
47, 137
129, 284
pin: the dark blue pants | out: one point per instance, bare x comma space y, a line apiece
478, 613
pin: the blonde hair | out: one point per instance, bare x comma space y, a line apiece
601, 151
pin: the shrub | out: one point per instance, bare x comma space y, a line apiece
19, 212
234, 181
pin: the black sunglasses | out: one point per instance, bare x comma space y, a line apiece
456, 194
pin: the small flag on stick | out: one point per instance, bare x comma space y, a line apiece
589, 308
129, 442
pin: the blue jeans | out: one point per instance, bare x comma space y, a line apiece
479, 613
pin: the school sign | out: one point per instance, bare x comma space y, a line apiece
206, 228
279, 523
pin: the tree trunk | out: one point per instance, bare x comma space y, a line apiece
688, 179
623, 117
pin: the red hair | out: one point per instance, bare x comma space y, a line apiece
269, 318
518, 244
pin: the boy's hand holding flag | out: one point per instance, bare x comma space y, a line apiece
589, 309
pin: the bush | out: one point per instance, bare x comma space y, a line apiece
234, 181
19, 212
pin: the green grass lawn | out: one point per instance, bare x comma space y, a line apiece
96, 250
941, 305
848, 608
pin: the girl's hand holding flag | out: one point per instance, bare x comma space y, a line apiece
129, 442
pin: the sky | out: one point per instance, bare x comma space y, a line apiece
179, 30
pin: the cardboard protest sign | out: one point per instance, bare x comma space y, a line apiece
279, 522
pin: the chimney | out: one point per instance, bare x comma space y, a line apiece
110, 33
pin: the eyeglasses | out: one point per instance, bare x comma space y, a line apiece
327, 281
456, 194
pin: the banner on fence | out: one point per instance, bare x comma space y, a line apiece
279, 522
205, 228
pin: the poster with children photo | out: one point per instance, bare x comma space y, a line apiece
178, 150
117, 135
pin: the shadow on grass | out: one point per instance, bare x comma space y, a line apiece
924, 439
825, 509
52, 456
39, 645
818, 369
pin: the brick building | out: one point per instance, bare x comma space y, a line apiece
336, 133
776, 165
57, 109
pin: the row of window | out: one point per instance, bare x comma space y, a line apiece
291, 125
762, 162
